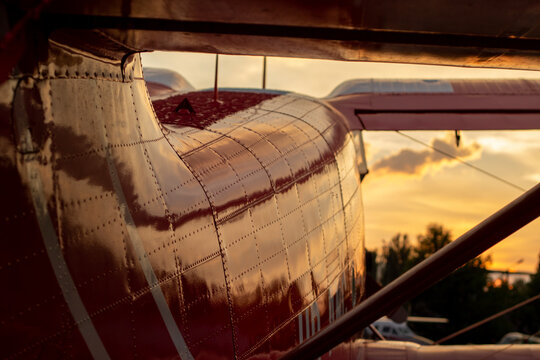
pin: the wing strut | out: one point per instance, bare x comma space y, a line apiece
489, 318
495, 228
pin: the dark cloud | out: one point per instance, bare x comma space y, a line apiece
412, 162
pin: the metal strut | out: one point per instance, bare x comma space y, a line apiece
489, 318
495, 228
216, 79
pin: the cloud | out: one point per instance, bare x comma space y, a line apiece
414, 162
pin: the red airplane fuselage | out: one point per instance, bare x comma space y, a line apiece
232, 232
187, 228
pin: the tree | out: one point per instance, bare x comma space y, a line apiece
436, 238
372, 265
396, 257
465, 296
460, 297
534, 284
529, 315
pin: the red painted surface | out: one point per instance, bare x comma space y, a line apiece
235, 234
496, 86
249, 218
446, 111
206, 110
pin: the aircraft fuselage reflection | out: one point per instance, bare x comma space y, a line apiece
238, 234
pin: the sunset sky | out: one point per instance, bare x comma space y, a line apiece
409, 186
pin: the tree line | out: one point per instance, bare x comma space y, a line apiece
466, 296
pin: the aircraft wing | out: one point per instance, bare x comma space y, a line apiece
475, 33
439, 104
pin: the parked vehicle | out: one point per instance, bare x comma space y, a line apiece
519, 338
395, 331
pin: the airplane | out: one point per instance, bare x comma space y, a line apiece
391, 330
223, 224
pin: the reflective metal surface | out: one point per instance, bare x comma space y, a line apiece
479, 33
467, 104
237, 237
382, 350
235, 231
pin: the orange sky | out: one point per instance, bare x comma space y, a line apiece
452, 194
431, 189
